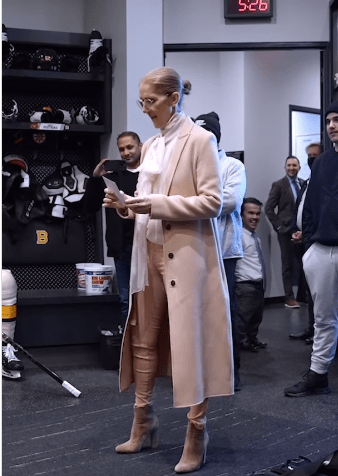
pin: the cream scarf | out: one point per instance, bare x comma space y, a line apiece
152, 173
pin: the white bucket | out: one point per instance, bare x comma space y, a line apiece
81, 275
99, 279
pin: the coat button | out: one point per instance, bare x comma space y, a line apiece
171, 255
168, 226
172, 282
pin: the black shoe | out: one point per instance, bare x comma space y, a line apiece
309, 341
259, 344
302, 335
311, 384
248, 346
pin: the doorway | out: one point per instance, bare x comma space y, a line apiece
251, 88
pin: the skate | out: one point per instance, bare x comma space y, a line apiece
10, 373
11, 365
98, 54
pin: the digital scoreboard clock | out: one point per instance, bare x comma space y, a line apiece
248, 8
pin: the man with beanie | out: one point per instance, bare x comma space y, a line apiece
320, 228
229, 223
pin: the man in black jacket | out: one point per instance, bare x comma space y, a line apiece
320, 228
119, 232
313, 151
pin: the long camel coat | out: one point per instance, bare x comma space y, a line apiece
196, 350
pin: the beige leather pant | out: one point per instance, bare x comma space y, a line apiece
152, 315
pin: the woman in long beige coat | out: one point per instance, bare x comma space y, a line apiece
179, 322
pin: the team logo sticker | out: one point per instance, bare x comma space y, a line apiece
41, 237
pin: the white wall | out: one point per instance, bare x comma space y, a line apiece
144, 53
213, 75
57, 15
201, 21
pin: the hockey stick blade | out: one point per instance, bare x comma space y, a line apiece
74, 391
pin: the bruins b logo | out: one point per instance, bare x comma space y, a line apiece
41, 237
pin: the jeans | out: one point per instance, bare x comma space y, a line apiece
230, 267
122, 265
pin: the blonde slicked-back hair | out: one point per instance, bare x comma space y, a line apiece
167, 81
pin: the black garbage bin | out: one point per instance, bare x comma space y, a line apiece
110, 348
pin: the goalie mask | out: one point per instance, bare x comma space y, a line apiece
86, 115
45, 59
10, 113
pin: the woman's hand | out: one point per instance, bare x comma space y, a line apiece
139, 204
111, 201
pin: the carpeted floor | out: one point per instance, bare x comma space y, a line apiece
47, 431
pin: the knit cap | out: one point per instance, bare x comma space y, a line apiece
333, 107
210, 122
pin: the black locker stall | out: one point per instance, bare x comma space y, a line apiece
46, 78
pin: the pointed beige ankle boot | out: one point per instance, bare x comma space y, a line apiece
195, 449
145, 427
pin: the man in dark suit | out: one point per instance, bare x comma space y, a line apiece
283, 195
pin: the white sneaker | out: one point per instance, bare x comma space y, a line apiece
292, 303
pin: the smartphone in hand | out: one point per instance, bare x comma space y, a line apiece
115, 165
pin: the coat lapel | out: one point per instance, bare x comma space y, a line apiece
181, 141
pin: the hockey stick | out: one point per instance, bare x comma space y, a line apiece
74, 391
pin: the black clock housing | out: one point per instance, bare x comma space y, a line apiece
248, 8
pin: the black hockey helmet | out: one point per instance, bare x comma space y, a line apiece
86, 115
45, 59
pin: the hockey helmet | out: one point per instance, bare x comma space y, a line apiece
45, 59
45, 114
10, 113
86, 115
61, 116
16, 159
